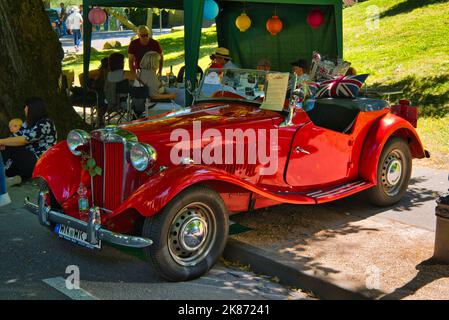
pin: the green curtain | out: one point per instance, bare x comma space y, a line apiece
87, 37
296, 40
193, 18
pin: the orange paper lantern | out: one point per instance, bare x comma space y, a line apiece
274, 25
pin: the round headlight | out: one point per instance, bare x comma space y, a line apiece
143, 156
77, 138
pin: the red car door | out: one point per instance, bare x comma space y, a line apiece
319, 157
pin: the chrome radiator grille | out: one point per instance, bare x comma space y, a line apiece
107, 189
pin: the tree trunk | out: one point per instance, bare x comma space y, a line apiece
150, 21
30, 61
47, 4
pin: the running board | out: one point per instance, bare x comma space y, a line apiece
340, 191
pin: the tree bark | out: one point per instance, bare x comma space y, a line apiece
150, 21
30, 60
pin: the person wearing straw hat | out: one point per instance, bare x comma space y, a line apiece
222, 59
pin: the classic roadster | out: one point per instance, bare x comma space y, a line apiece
168, 183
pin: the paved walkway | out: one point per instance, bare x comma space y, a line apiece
34, 262
380, 252
99, 38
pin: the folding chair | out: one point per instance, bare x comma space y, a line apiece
92, 101
139, 97
122, 106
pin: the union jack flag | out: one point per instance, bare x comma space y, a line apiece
341, 87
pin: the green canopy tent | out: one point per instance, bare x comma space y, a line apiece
297, 39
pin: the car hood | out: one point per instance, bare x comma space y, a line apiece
210, 115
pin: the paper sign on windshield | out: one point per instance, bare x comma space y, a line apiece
276, 90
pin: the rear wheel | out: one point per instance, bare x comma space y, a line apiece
189, 235
393, 173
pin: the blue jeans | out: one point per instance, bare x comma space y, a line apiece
2, 177
106, 25
63, 29
77, 37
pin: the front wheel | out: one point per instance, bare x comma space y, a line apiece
393, 173
189, 235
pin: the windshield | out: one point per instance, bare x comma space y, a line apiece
233, 84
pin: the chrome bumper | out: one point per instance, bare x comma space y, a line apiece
93, 227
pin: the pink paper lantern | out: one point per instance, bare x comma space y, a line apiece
315, 18
97, 16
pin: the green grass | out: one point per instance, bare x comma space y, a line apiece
434, 133
409, 51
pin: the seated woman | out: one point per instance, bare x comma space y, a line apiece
222, 59
115, 75
148, 76
22, 151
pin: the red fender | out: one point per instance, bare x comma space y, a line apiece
386, 127
61, 170
153, 195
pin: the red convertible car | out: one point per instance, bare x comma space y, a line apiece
168, 183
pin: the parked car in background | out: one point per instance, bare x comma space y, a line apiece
55, 22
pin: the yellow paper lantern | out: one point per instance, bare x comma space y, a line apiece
243, 22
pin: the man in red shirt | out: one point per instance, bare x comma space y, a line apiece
138, 48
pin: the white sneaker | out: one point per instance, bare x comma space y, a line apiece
12, 181
4, 199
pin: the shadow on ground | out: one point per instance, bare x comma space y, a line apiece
421, 91
428, 272
408, 6
289, 229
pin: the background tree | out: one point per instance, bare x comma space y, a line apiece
30, 64
123, 20
150, 20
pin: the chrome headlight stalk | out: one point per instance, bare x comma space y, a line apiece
142, 156
77, 138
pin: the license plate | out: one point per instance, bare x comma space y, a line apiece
75, 236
